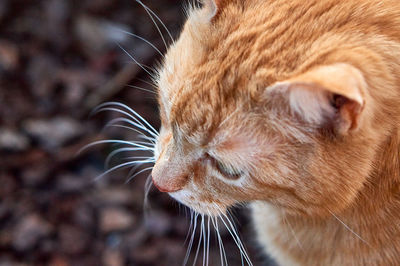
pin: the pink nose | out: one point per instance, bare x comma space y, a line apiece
167, 187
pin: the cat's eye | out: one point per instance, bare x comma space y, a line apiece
228, 171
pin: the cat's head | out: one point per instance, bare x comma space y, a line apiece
251, 112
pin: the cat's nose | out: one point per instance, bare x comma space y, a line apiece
170, 172
168, 186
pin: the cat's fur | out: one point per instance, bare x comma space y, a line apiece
299, 103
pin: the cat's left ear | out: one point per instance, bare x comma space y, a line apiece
332, 96
214, 6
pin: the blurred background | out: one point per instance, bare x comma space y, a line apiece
58, 60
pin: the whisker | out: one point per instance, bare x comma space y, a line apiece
236, 239
152, 140
122, 165
141, 129
150, 159
117, 141
205, 240
190, 227
144, 161
208, 239
141, 38
113, 153
200, 239
150, 13
185, 261
147, 189
130, 128
293, 233
141, 171
134, 59
233, 218
144, 143
239, 240
141, 148
135, 121
228, 118
149, 83
132, 170
132, 111
348, 228
220, 243
162, 23
142, 89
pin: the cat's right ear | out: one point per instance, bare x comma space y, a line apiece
331, 97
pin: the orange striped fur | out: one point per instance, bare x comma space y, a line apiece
294, 106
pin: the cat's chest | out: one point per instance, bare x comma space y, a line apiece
271, 233
294, 243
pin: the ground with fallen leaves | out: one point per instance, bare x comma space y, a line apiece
58, 60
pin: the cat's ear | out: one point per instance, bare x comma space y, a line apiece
332, 96
213, 6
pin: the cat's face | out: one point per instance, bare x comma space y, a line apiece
239, 125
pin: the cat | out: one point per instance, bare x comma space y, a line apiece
294, 107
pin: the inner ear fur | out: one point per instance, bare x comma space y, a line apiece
331, 96
214, 7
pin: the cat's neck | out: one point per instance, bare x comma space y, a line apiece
362, 228
384, 181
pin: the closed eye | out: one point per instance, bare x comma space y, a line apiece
226, 170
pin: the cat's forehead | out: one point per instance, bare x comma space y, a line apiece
199, 112
214, 67
197, 97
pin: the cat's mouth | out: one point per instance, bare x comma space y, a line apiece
209, 207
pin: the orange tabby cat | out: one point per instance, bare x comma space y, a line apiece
295, 106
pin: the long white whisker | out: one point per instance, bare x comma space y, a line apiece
113, 153
237, 109
205, 240
141, 171
152, 140
200, 239
162, 23
144, 161
140, 157
145, 143
236, 238
147, 186
132, 111
142, 89
134, 60
114, 168
293, 233
185, 261
234, 229
208, 239
348, 228
132, 170
134, 122
116, 141
141, 38
154, 22
149, 83
147, 159
141, 135
190, 226
220, 243
218, 238
239, 240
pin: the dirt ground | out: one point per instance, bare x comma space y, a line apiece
58, 60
